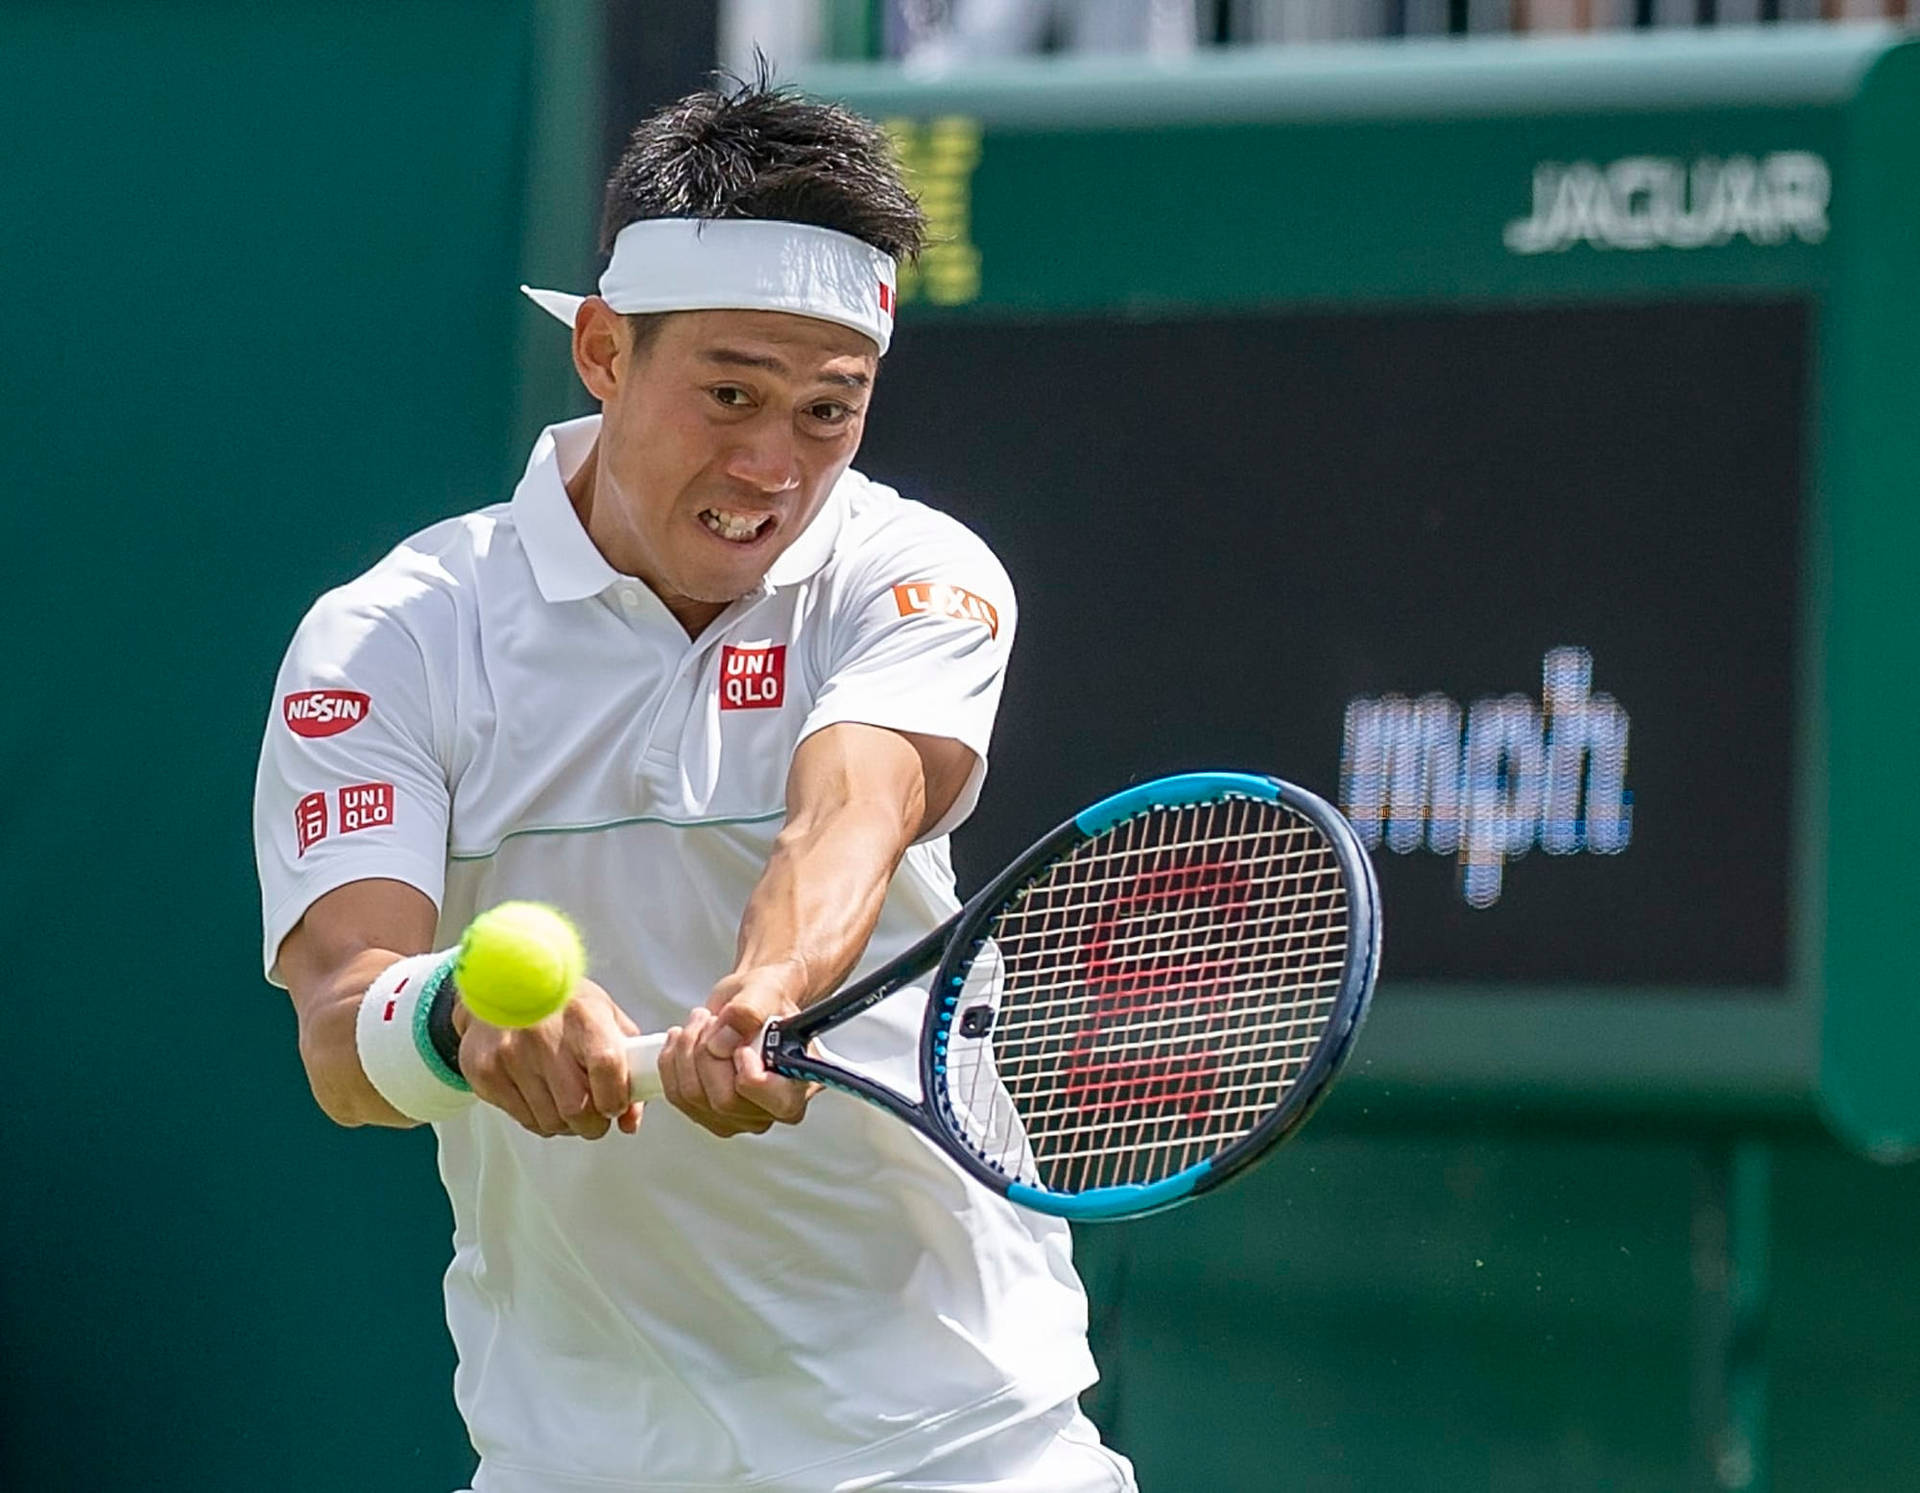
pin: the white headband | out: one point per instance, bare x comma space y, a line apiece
742, 264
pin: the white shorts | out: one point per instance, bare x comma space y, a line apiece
1059, 1452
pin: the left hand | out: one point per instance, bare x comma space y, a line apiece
710, 1069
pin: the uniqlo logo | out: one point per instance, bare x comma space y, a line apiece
310, 821
886, 297
366, 806
753, 678
938, 599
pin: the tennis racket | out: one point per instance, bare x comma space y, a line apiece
1142, 1005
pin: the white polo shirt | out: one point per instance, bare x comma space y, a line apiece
493, 712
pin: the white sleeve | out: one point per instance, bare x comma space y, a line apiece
351, 784
920, 644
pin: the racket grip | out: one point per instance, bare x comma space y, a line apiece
643, 1066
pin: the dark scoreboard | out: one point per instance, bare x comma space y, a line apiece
1352, 548
1512, 444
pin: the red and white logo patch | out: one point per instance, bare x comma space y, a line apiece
324, 712
310, 821
753, 678
366, 806
886, 297
938, 599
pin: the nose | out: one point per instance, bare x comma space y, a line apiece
764, 456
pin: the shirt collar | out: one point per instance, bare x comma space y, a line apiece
802, 559
567, 566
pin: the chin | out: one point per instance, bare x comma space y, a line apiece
719, 585
719, 593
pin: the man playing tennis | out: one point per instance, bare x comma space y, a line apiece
721, 698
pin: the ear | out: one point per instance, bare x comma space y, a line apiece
600, 348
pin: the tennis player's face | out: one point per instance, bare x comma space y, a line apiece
721, 439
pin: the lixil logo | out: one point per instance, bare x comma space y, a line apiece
938, 599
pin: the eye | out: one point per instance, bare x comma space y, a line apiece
830, 412
732, 396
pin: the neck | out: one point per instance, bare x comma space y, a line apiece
601, 523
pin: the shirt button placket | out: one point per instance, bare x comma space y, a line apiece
671, 721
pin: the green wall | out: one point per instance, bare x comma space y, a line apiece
1499, 1313
259, 324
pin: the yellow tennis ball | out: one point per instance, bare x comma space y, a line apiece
518, 963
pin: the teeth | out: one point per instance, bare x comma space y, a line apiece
732, 525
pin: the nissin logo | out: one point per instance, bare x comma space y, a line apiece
324, 712
1519, 775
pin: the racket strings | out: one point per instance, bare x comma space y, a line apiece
1155, 995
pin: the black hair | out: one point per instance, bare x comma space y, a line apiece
751, 149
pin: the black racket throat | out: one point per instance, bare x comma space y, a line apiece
784, 1043
790, 1036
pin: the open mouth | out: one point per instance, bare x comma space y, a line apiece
736, 528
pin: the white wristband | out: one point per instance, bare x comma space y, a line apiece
396, 1053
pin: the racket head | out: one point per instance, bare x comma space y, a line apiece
1153, 997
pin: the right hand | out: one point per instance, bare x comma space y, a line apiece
566, 1076
711, 1070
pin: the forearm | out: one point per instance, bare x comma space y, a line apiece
330, 1052
818, 901
339, 948
857, 797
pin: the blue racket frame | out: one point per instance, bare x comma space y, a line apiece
950, 951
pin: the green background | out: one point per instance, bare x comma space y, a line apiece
260, 324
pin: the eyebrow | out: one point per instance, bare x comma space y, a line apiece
733, 357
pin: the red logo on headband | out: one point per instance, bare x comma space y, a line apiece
886, 297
